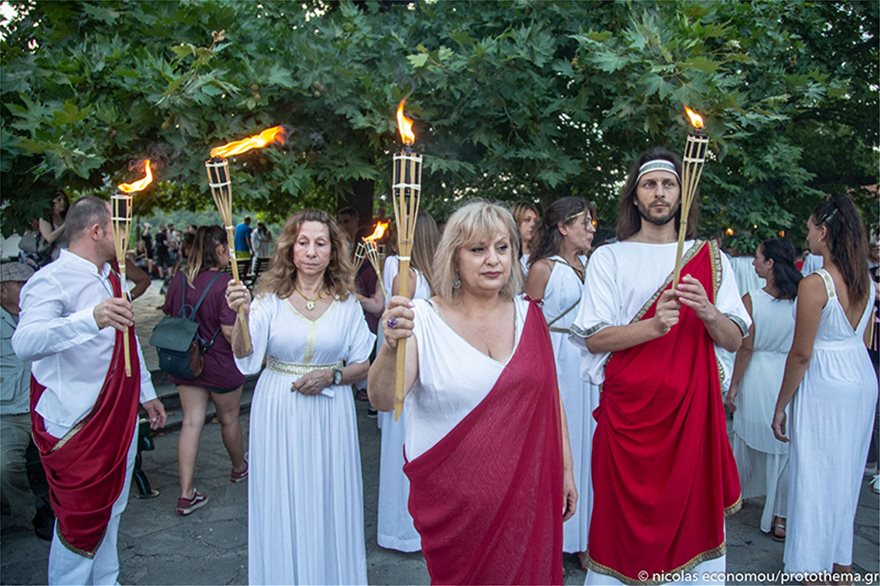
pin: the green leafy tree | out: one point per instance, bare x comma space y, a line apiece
512, 100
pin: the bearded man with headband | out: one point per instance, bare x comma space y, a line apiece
662, 468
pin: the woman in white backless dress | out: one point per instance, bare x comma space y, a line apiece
830, 378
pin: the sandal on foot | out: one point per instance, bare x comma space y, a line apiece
778, 531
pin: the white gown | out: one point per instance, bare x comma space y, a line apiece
305, 490
622, 276
454, 377
564, 290
830, 427
395, 528
760, 457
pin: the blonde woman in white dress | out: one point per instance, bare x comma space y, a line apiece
832, 388
395, 529
757, 373
556, 279
305, 492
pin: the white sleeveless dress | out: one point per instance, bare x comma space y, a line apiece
831, 418
305, 489
563, 293
395, 529
760, 457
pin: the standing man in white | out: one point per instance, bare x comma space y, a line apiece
658, 504
84, 407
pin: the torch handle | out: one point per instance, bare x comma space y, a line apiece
126, 343
679, 250
403, 275
242, 316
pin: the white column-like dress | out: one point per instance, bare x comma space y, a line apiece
564, 290
760, 457
621, 277
305, 490
831, 418
395, 528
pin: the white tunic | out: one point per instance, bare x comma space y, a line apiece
831, 419
395, 529
760, 457
620, 278
746, 280
305, 503
454, 377
564, 290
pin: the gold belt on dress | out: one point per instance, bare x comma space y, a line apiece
297, 368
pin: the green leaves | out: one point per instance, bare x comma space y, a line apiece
510, 101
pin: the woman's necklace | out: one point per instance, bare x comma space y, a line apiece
310, 303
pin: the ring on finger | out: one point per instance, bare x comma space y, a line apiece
392, 323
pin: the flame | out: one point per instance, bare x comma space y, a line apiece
258, 141
140, 184
378, 231
730, 232
404, 125
696, 119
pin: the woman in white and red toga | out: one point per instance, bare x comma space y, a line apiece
487, 452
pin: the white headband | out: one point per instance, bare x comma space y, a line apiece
658, 165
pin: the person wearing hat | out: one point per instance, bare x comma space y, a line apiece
15, 419
84, 419
663, 472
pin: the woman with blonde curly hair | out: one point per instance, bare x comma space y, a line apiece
486, 441
305, 504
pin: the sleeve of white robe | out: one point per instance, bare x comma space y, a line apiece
599, 308
360, 341
729, 302
261, 316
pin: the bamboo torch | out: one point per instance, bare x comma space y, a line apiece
121, 217
221, 190
371, 250
692, 168
406, 191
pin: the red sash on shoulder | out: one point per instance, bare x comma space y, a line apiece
86, 468
663, 472
487, 499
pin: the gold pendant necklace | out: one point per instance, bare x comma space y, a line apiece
310, 303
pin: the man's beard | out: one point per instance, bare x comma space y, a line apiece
645, 213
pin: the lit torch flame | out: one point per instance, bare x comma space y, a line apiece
258, 141
378, 231
140, 184
696, 119
404, 125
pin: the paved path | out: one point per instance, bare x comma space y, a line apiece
210, 546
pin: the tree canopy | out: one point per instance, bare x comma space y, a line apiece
512, 99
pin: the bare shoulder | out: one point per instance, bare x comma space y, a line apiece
811, 290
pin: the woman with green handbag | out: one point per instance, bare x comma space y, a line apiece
219, 379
